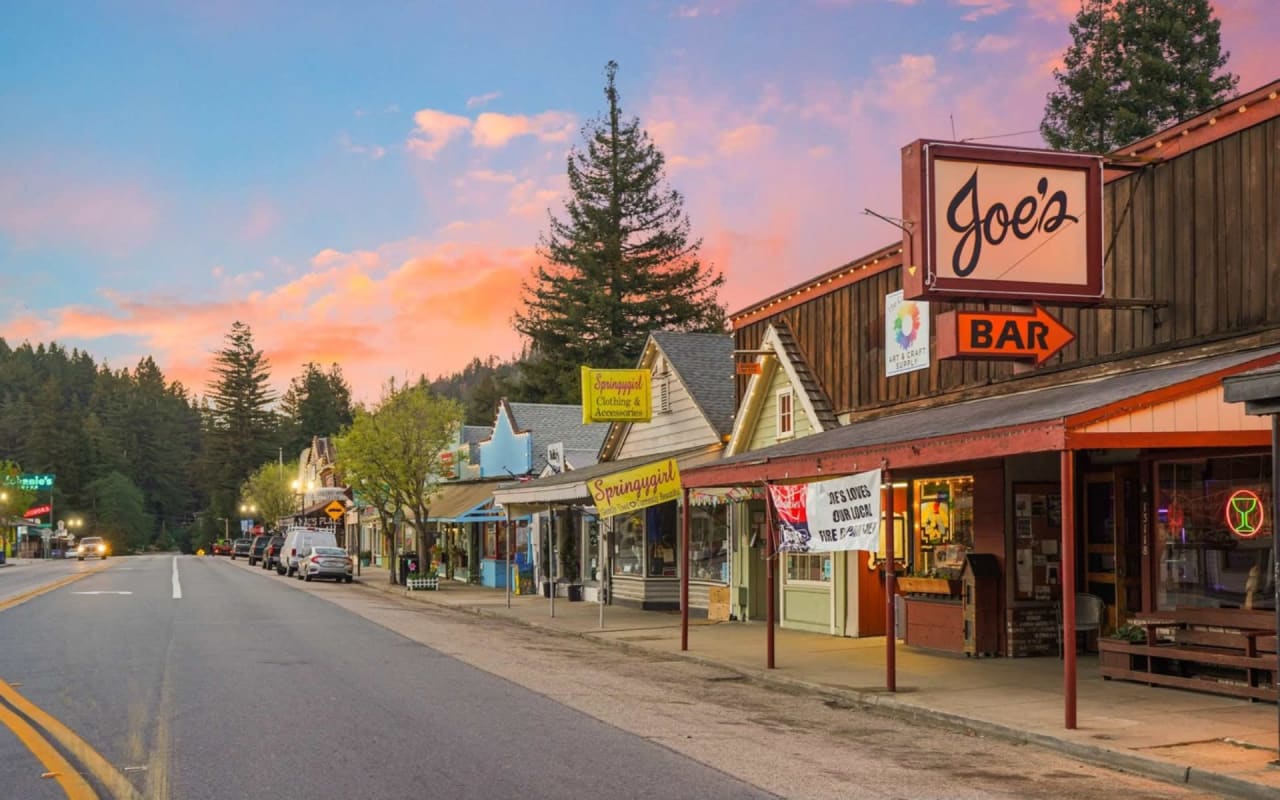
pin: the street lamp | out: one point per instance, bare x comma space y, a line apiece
301, 489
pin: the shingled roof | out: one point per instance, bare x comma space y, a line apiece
704, 362
551, 423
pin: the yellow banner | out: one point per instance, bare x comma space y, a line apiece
616, 395
636, 488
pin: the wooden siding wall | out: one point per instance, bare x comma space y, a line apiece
1199, 233
681, 427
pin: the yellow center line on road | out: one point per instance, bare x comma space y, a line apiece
60, 769
110, 777
24, 597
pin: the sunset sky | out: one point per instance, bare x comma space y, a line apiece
365, 182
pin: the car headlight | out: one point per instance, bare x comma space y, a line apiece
80, 548
102, 548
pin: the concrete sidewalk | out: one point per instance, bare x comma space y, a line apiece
1215, 743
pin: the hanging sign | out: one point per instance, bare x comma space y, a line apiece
1001, 222
906, 335
826, 516
1026, 335
1244, 513
748, 368
636, 488
616, 395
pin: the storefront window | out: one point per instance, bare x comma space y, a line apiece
815, 567
1214, 533
943, 522
661, 535
629, 534
708, 534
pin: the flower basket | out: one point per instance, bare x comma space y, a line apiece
428, 583
943, 586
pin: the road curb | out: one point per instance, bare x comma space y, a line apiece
1124, 761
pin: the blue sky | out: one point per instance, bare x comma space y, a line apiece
366, 182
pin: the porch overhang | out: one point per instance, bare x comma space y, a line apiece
1139, 408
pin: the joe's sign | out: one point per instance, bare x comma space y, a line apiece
1001, 222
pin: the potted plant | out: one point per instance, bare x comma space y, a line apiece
425, 580
366, 557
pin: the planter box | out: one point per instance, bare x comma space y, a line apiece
423, 584
943, 586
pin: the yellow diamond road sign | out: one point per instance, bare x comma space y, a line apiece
335, 510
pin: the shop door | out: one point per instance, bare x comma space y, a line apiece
869, 585
1113, 559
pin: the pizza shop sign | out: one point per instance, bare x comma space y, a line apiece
1001, 223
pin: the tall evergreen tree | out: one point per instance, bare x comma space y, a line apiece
317, 403
621, 264
1134, 67
240, 426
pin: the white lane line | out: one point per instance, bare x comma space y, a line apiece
177, 587
102, 592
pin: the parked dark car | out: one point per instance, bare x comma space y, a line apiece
271, 556
240, 548
257, 549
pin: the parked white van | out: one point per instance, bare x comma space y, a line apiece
298, 540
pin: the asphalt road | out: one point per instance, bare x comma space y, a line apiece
245, 687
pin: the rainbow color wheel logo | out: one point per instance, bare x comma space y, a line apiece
906, 326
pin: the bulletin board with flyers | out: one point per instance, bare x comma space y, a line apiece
1037, 541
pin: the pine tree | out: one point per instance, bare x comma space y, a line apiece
240, 427
621, 264
317, 403
1133, 68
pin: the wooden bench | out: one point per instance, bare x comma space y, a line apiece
1224, 651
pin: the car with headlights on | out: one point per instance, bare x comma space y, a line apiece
325, 562
94, 546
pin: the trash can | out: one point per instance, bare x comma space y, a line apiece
546, 588
408, 564
575, 592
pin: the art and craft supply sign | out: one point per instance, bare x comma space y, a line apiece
906, 334
616, 395
633, 489
827, 516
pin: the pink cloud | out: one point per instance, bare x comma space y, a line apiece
745, 138
995, 43
46, 207
482, 99
983, 8
496, 130
262, 219
433, 130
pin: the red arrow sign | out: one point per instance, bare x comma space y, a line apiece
1030, 335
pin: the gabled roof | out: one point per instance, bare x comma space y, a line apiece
550, 423
788, 357
704, 362
470, 437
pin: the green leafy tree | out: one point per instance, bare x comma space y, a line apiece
1133, 68
240, 426
13, 501
621, 263
392, 455
317, 403
269, 489
118, 513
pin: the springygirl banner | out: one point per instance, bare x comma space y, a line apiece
822, 517
616, 395
636, 488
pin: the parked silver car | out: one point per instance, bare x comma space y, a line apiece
325, 562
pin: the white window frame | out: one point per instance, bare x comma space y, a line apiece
790, 416
786, 570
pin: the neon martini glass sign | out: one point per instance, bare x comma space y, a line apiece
1244, 513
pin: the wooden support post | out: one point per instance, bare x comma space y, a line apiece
890, 616
1068, 478
684, 570
770, 562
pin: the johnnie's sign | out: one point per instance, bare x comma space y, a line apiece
1001, 222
